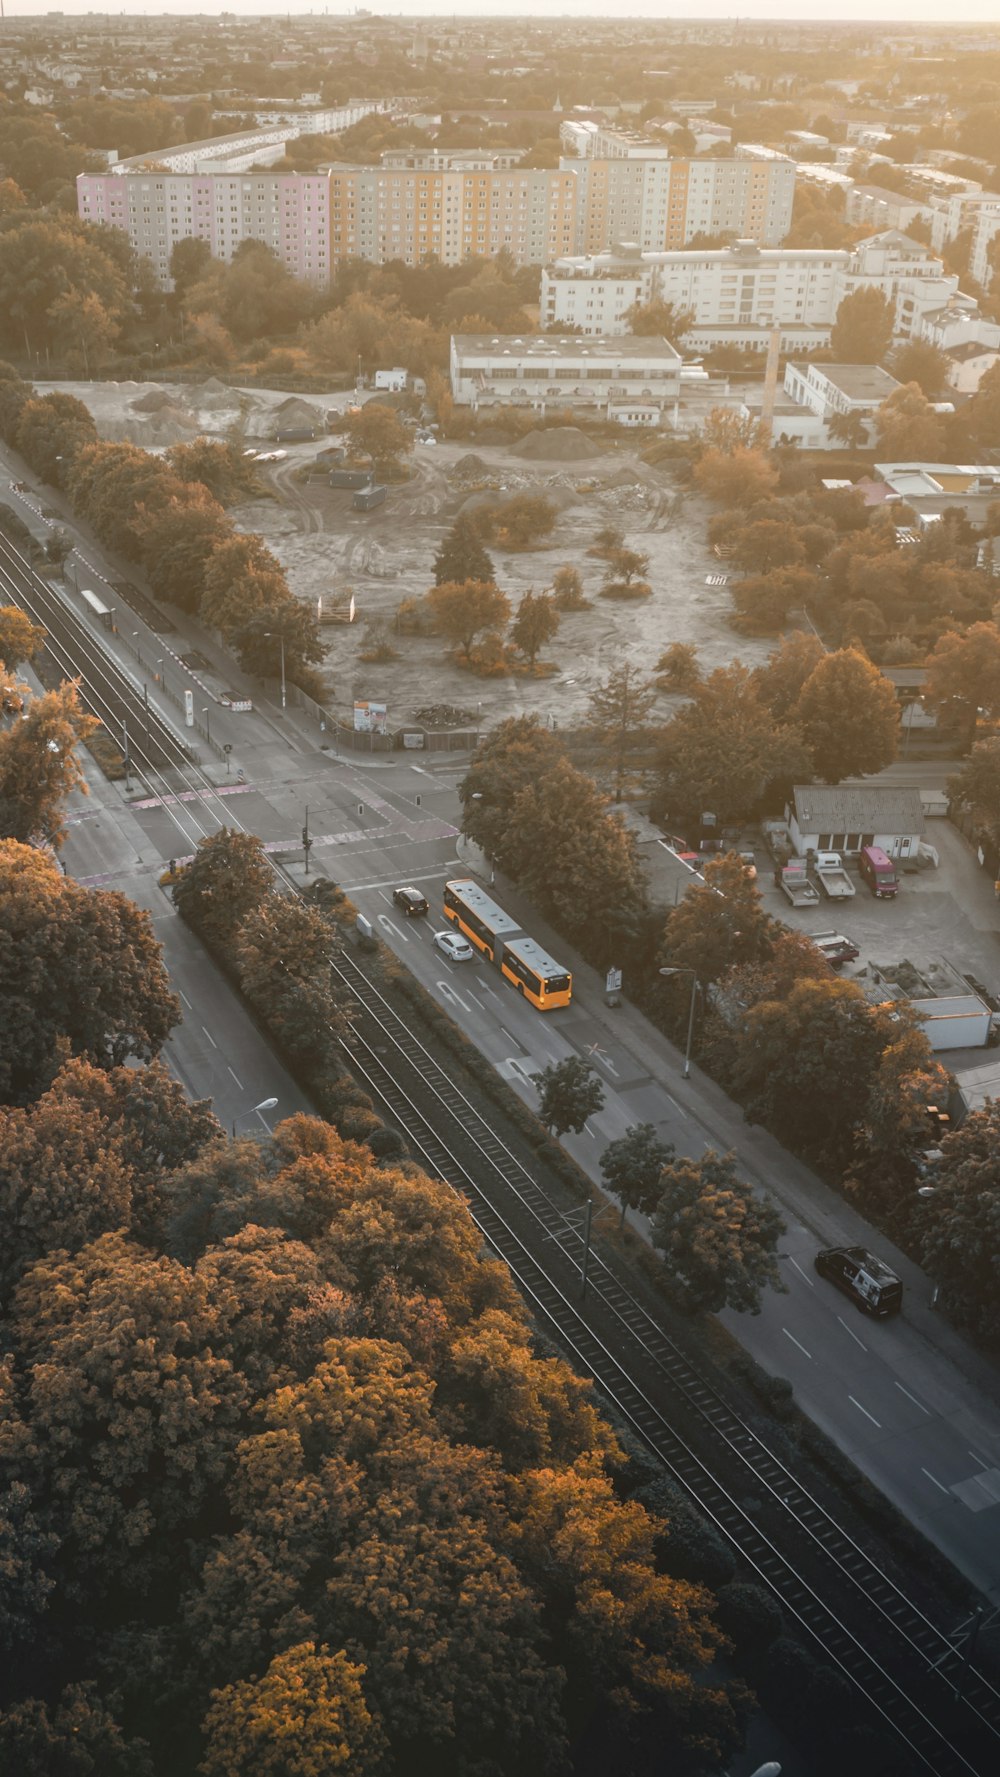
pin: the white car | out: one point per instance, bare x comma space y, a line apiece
452, 945
271, 456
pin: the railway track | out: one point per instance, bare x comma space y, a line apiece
945, 1713
862, 1620
77, 651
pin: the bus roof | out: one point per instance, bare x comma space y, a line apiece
535, 957
479, 903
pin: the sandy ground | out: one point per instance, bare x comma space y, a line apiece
330, 552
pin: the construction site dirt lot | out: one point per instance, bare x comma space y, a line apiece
331, 552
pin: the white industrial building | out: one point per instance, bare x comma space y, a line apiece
826, 390
627, 380
737, 294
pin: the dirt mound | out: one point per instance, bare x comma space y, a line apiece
559, 444
470, 465
153, 401
296, 412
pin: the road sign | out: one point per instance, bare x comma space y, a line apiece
613, 981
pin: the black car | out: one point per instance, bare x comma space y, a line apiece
410, 900
867, 1280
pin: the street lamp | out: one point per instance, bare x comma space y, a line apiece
281, 640
666, 973
206, 712
266, 1104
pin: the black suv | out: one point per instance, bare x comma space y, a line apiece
410, 900
867, 1280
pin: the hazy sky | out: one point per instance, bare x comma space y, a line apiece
891, 11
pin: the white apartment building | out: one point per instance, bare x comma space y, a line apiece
380, 213
876, 207
960, 210
737, 294
985, 230
629, 380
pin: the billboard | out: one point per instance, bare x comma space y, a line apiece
370, 718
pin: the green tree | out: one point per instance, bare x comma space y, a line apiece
535, 623
40, 766
178, 540
306, 1717
378, 432
43, 259
721, 922
228, 879
862, 332
659, 320
90, 328
723, 749
806, 1061
516, 753
219, 466
618, 714
287, 625
20, 639
849, 715
779, 683
86, 963
763, 601
632, 1168
850, 429
959, 1224
908, 427
58, 548
765, 544
717, 1238
51, 432
464, 610
253, 297
569, 1092
74, 1735
462, 557
920, 361
976, 785
283, 952
242, 577
190, 260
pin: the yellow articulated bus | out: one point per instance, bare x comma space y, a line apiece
525, 964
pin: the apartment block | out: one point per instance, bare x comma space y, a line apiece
663, 204
381, 213
289, 212
737, 294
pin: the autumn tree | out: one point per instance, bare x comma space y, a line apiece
50, 434
963, 675
658, 320
178, 539
677, 668
517, 752
920, 361
862, 332
20, 639
241, 576
722, 750
536, 622
897, 1126
40, 766
87, 326
625, 574
525, 521
959, 1223
618, 715
218, 466
632, 1168
720, 923
285, 629
739, 477
228, 879
764, 544
462, 557
779, 683
567, 590
378, 432
568, 1093
87, 964
464, 610
307, 1716
75, 1732
849, 715
716, 1236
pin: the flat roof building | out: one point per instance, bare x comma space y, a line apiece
628, 380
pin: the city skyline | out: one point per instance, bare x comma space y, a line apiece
917, 13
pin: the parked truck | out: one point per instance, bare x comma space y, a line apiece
832, 876
795, 884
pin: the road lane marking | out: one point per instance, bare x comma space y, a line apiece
797, 1342
937, 1483
489, 990
449, 994
864, 1410
853, 1334
475, 996
384, 920
803, 1274
184, 997
502, 1028
428, 876
913, 1398
210, 1038
239, 1082
980, 1459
